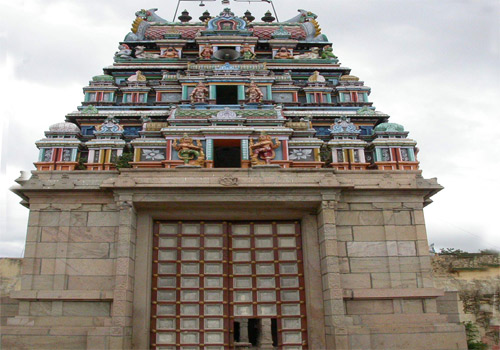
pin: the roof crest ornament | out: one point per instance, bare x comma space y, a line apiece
226, 113
227, 66
227, 13
227, 21
343, 125
109, 126
308, 21
281, 33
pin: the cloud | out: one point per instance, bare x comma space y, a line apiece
432, 66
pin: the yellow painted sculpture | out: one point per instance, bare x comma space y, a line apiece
188, 152
262, 152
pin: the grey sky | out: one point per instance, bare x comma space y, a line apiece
432, 65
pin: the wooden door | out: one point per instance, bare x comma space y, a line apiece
209, 276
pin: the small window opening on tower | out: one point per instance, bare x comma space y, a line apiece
226, 94
227, 154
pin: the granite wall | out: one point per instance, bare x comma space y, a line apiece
86, 273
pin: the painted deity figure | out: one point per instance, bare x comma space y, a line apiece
262, 152
247, 53
199, 94
327, 53
188, 152
254, 95
207, 52
313, 54
170, 52
283, 53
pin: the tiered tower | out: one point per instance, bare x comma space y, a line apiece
227, 184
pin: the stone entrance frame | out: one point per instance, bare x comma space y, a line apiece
196, 205
86, 275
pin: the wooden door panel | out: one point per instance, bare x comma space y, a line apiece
206, 275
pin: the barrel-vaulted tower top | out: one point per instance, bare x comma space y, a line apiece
228, 91
149, 26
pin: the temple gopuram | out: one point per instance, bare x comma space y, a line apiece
227, 184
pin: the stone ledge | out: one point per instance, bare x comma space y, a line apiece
211, 178
65, 295
389, 293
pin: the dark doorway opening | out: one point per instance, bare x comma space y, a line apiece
226, 94
236, 331
254, 331
274, 331
227, 154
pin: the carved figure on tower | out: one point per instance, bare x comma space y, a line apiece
283, 53
138, 76
140, 53
247, 53
207, 52
170, 52
327, 53
145, 120
188, 152
310, 25
124, 52
311, 55
262, 152
199, 94
254, 95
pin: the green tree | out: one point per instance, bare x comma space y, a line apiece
473, 337
125, 159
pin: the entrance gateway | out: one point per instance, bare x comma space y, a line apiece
228, 285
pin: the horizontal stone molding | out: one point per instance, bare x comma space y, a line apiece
63, 295
270, 178
393, 293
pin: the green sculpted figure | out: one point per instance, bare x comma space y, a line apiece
188, 152
247, 53
327, 53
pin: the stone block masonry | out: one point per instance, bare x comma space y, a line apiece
86, 276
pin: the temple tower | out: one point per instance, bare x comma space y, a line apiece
227, 184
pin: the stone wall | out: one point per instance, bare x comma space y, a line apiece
385, 272
475, 280
86, 276
10, 280
68, 271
